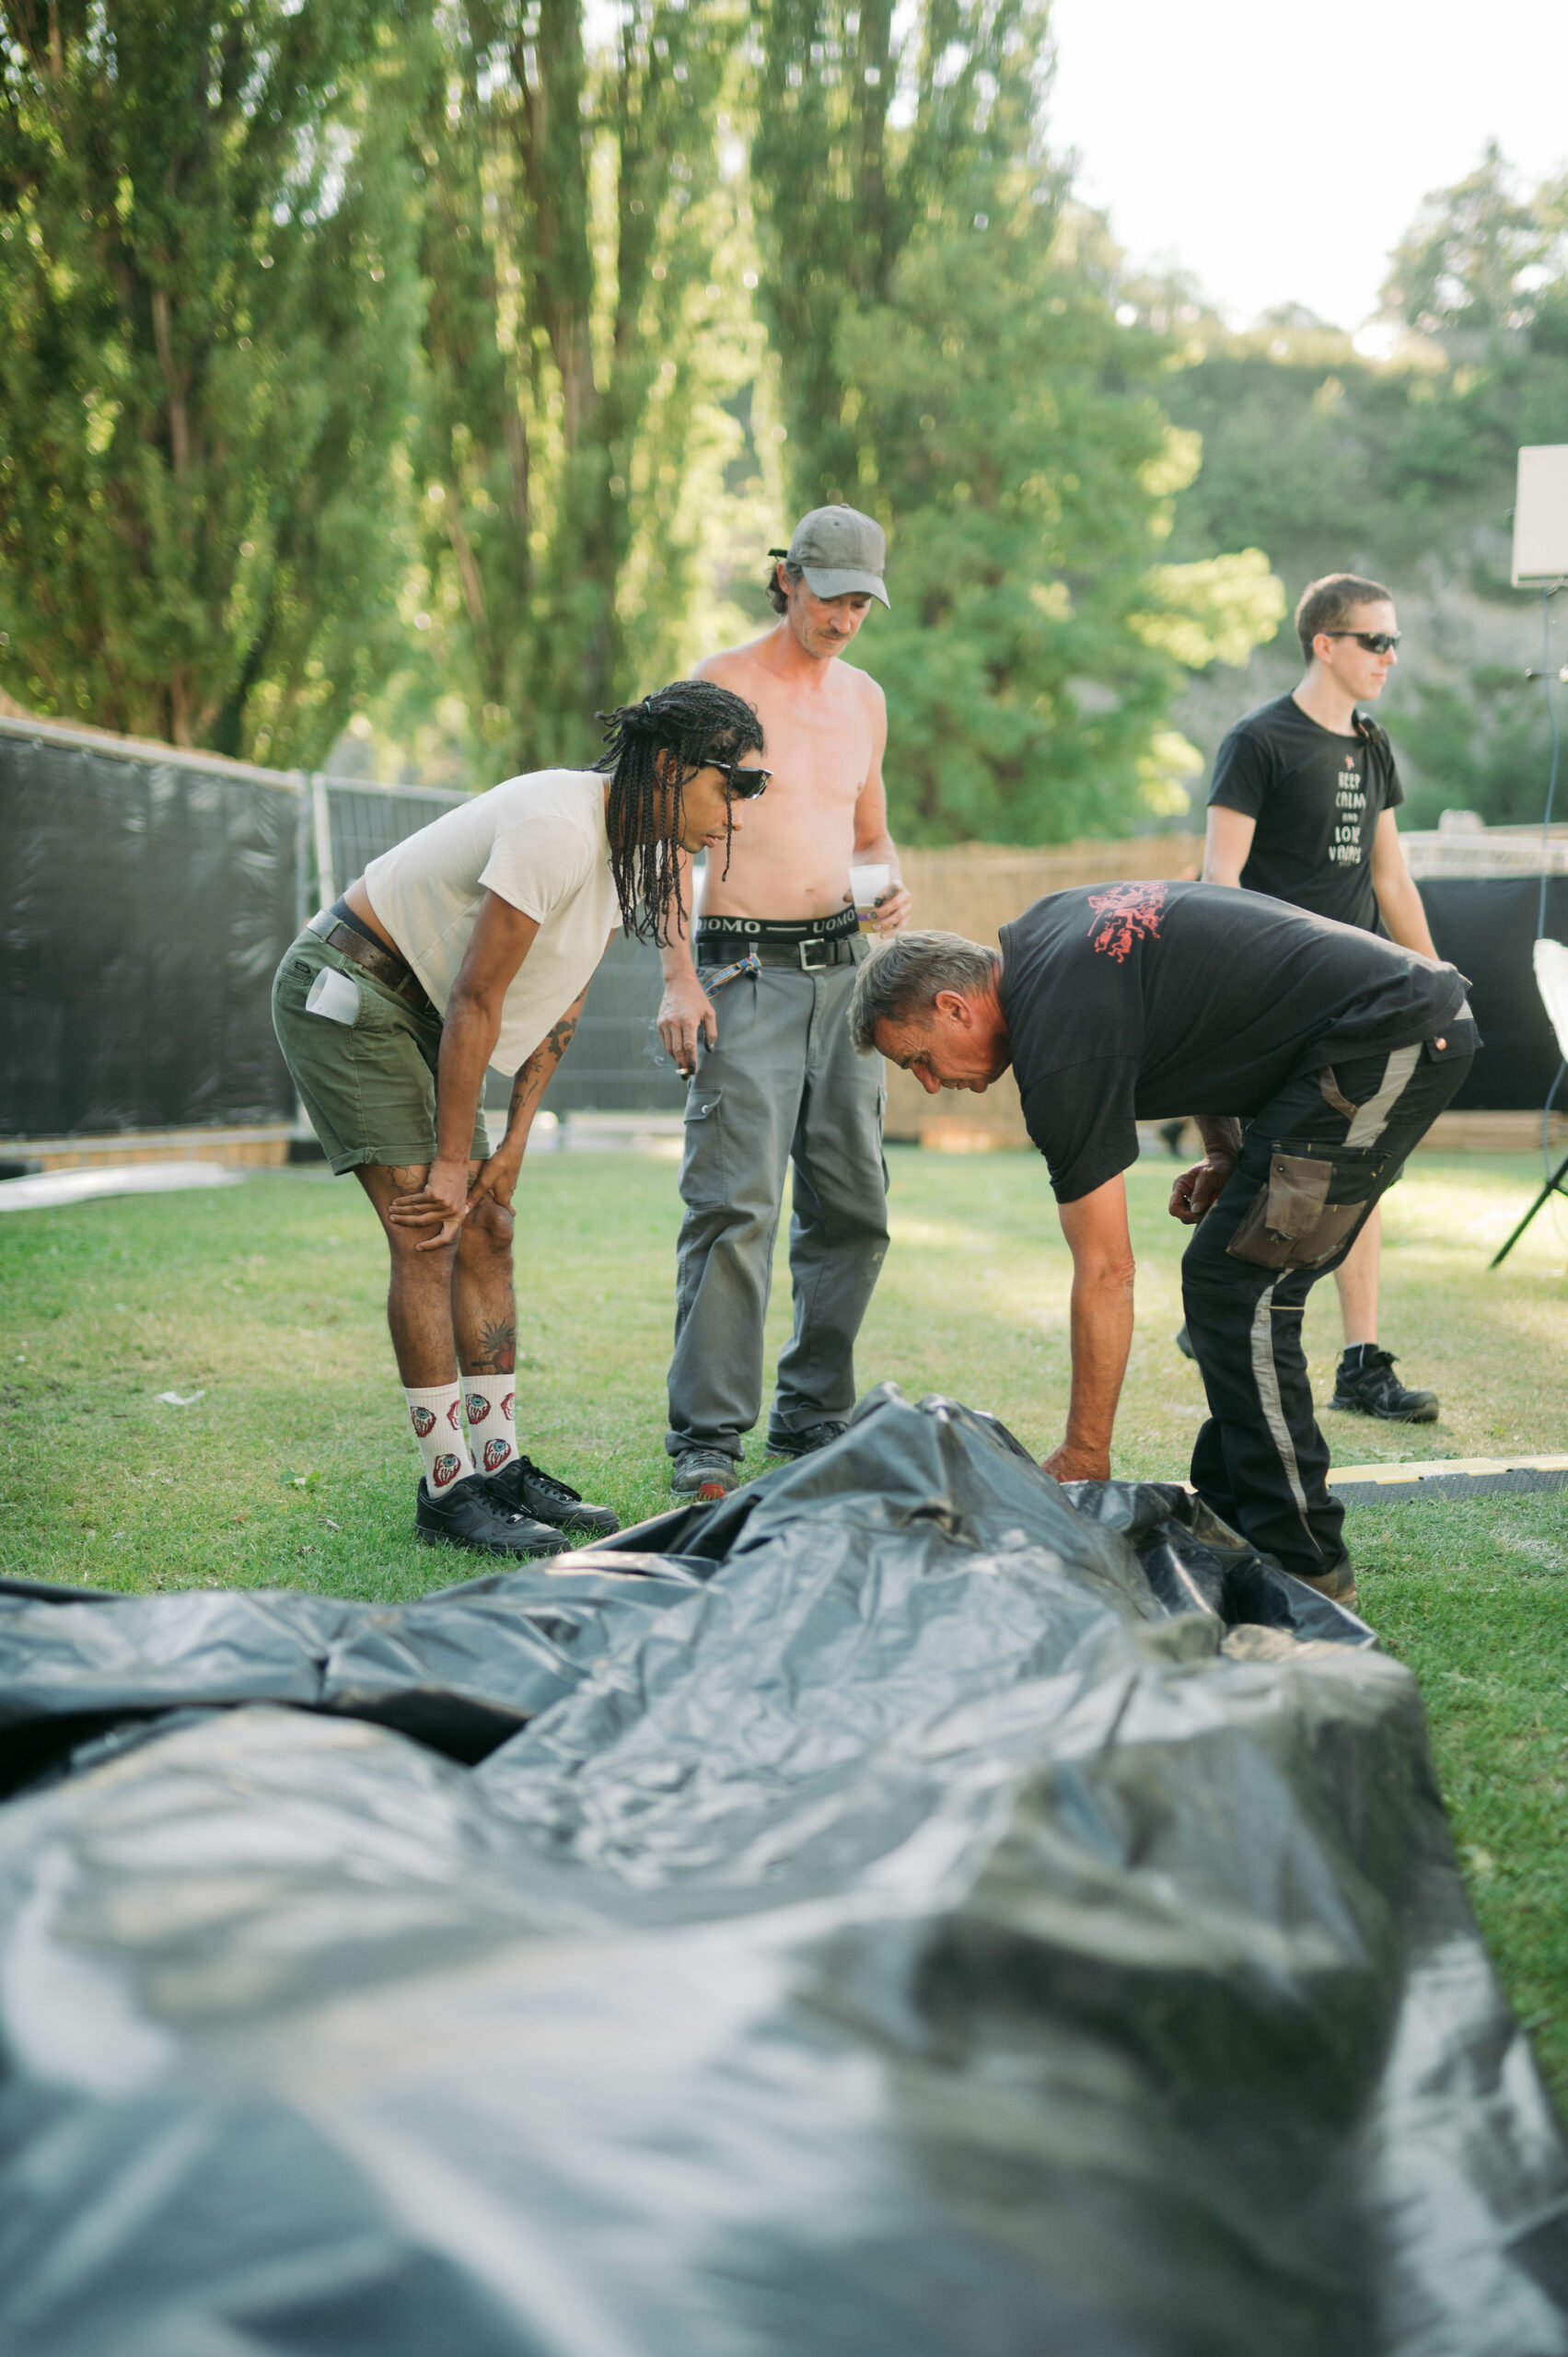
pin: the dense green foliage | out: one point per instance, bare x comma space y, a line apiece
951, 361
1028, 472
1402, 469
207, 313
862, 147
454, 362
586, 321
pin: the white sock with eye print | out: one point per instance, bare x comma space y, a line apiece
492, 1434
437, 1415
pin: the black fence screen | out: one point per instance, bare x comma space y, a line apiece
1486, 926
146, 904
615, 1063
147, 897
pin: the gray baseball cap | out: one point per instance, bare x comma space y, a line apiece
838, 549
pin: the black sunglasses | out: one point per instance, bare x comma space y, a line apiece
745, 784
1377, 641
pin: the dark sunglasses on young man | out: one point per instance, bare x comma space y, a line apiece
1377, 641
744, 784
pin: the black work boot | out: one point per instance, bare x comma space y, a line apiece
468, 1515
524, 1487
1338, 1585
806, 1443
1364, 1383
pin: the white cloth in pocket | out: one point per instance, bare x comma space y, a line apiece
333, 995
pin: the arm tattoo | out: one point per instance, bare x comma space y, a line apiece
529, 1085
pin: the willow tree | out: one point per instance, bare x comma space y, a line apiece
207, 306
586, 319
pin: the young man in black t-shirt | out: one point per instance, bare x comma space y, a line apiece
1121, 1003
1302, 807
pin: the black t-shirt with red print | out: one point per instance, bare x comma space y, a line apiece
1317, 798
1140, 1002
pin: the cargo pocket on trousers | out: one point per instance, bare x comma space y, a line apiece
1290, 1222
702, 1163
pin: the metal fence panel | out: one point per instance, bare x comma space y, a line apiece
615, 1065
150, 892
364, 820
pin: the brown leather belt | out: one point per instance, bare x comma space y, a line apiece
393, 973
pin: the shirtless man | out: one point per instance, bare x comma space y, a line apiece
774, 1073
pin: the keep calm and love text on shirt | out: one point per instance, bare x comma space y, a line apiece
1316, 798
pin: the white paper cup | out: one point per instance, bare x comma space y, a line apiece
866, 886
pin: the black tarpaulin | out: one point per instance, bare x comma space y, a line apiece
1486, 926
919, 1912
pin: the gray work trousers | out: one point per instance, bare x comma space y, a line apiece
783, 1083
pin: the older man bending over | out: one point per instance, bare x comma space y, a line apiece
1121, 1003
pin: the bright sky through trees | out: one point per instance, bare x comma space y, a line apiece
1277, 153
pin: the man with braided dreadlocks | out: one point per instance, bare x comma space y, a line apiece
775, 1077
456, 951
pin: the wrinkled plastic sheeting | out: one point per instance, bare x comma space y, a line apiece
932, 1919
459, 1672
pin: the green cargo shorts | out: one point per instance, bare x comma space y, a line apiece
368, 1086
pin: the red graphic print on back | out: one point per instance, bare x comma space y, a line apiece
1126, 913
452, 1414
446, 1469
496, 1452
478, 1407
423, 1421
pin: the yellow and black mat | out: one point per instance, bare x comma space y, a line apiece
1445, 1477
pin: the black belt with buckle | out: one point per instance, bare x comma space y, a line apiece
809, 947
341, 931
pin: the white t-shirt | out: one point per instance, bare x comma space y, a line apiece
538, 841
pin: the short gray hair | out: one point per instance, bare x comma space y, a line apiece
901, 981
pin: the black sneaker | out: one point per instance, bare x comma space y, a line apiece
524, 1487
704, 1474
468, 1515
806, 1443
1366, 1384
1184, 1343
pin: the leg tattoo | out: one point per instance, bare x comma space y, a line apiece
496, 1352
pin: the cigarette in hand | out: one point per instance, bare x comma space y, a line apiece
750, 964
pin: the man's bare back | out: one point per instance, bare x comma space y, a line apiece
825, 730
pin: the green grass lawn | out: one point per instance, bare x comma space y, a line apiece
294, 1467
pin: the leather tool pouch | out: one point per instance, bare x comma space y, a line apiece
1290, 1222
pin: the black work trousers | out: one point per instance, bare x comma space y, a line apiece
1312, 1165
